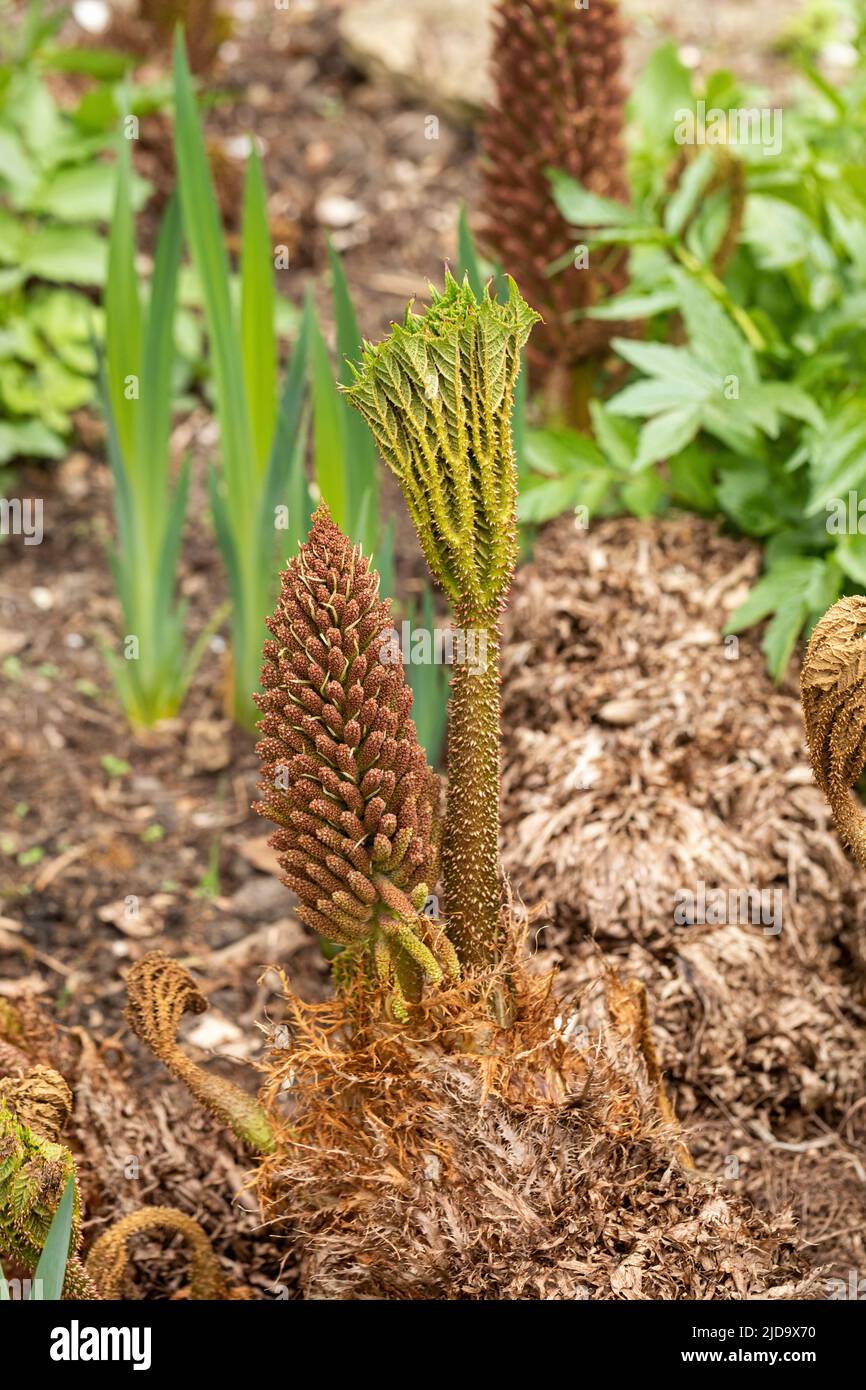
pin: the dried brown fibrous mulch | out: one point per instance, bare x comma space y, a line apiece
453, 1159
644, 756
149, 1146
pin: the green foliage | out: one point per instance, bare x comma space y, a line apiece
261, 481
56, 195
47, 1284
438, 396
152, 672
51, 1269
429, 682
744, 395
356, 459
259, 495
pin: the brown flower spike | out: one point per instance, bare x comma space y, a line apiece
559, 104
345, 778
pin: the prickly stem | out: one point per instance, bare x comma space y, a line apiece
438, 395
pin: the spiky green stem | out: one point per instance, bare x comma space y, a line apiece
438, 395
470, 848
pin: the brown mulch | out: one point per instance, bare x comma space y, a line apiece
536, 1161
644, 756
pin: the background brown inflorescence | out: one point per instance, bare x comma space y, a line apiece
559, 105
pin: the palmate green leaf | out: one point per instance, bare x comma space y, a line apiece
84, 194
29, 439
691, 476
794, 588
745, 495
666, 434
650, 397
13, 236
766, 402
65, 255
780, 235
561, 451
850, 555
542, 501
726, 423
672, 365
69, 322
838, 456
782, 632
46, 389
617, 437
848, 218
663, 88
18, 174
36, 115
583, 208
258, 336
51, 1269
629, 305
713, 336
566, 470
643, 494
